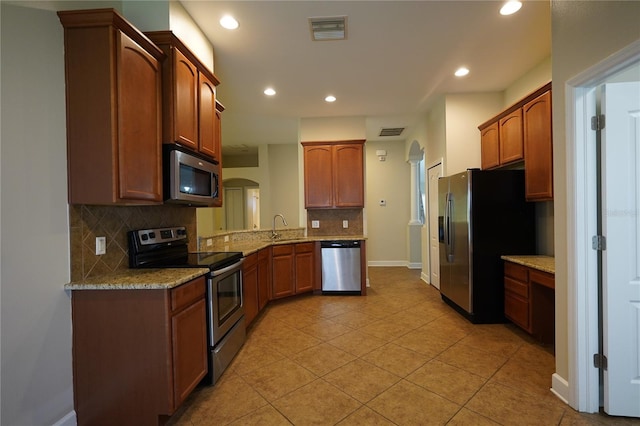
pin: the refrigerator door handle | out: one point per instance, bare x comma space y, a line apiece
449, 227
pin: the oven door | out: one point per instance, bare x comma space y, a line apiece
224, 295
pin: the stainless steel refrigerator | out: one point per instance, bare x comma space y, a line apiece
482, 215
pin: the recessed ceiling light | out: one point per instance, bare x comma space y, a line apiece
330, 98
510, 7
461, 72
229, 22
269, 91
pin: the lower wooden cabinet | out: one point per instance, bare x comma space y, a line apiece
137, 354
293, 269
529, 300
256, 283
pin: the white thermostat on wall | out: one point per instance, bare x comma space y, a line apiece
383, 202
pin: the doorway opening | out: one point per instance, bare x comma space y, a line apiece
584, 330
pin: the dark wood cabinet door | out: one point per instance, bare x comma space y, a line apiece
264, 277
490, 147
208, 125
139, 123
186, 101
511, 145
189, 336
305, 271
250, 288
283, 271
318, 176
348, 176
538, 145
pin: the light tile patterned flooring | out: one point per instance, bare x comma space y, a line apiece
397, 356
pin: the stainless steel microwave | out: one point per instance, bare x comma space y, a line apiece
190, 178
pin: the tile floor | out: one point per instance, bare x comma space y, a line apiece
398, 356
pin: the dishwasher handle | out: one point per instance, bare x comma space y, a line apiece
340, 244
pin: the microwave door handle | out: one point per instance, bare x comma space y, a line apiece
215, 185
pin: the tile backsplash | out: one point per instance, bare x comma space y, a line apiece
86, 222
330, 221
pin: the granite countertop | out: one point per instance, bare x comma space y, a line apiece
139, 279
250, 247
166, 278
541, 263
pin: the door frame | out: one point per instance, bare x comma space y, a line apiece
582, 390
437, 163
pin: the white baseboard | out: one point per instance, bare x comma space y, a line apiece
424, 277
415, 265
374, 263
68, 420
560, 388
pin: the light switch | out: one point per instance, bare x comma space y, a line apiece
315, 224
101, 245
209, 242
345, 223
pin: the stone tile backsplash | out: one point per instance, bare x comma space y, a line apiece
87, 222
331, 222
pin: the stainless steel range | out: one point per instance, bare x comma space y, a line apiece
167, 248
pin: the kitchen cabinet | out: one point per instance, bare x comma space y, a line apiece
490, 146
189, 91
529, 300
114, 110
538, 148
523, 132
264, 277
334, 174
293, 269
511, 144
250, 288
137, 354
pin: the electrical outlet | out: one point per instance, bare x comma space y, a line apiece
345, 223
315, 224
226, 238
209, 242
101, 245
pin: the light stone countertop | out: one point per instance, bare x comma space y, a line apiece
250, 247
139, 279
166, 278
541, 263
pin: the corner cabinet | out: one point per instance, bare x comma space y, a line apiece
114, 112
334, 174
137, 354
188, 88
256, 283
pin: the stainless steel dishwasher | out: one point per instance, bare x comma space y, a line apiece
341, 266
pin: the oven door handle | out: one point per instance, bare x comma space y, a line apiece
227, 269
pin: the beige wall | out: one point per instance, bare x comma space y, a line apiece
583, 34
463, 113
332, 129
283, 180
387, 226
538, 76
36, 377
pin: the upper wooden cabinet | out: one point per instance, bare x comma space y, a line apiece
334, 174
113, 95
188, 88
511, 145
538, 148
490, 146
523, 132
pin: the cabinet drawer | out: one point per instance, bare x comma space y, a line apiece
515, 271
542, 278
517, 310
281, 250
304, 247
187, 293
517, 287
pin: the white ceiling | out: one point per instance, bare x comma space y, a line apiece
398, 57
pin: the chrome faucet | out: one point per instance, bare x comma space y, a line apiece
274, 234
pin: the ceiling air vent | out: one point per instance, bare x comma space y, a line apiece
328, 28
391, 131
